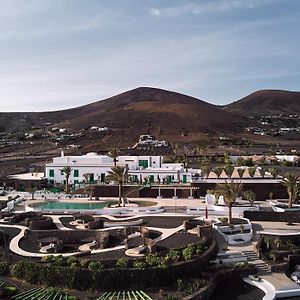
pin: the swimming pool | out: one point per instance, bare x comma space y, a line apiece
54, 205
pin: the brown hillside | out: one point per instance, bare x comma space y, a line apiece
266, 102
153, 109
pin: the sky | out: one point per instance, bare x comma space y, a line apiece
57, 54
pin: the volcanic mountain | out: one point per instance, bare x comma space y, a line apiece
135, 112
155, 109
266, 102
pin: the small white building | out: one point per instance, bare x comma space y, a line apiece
139, 168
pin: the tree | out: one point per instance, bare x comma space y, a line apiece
262, 172
184, 160
250, 196
229, 170
67, 171
120, 175
240, 162
274, 172
89, 188
230, 191
241, 172
205, 170
114, 154
252, 171
227, 160
218, 171
87, 177
292, 184
32, 191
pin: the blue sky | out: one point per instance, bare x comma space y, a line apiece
57, 54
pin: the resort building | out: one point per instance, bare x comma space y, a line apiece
140, 168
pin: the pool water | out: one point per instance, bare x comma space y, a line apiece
69, 205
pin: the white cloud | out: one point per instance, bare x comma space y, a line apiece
212, 6
155, 12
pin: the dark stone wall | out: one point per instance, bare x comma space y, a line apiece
155, 277
219, 276
261, 190
40, 223
272, 216
67, 236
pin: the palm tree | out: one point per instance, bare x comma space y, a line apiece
32, 191
227, 160
252, 171
229, 170
241, 172
205, 170
120, 175
218, 171
250, 196
292, 184
114, 154
275, 172
67, 171
230, 191
262, 172
87, 177
89, 188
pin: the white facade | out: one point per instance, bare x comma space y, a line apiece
139, 168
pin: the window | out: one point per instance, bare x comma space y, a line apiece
151, 178
76, 181
51, 173
102, 177
184, 179
76, 173
62, 172
143, 163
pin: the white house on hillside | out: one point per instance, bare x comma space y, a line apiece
139, 167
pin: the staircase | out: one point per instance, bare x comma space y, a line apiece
253, 258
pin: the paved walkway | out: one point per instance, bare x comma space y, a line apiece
276, 285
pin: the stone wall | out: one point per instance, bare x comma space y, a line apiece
272, 216
69, 236
261, 190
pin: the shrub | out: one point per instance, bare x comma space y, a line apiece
59, 260
72, 260
173, 255
139, 265
152, 260
4, 268
47, 258
188, 252
95, 266
224, 220
84, 263
122, 262
199, 249
26, 270
10, 290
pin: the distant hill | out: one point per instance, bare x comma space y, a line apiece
153, 110
266, 102
135, 112
146, 108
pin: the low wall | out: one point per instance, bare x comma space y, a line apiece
206, 292
272, 216
155, 277
67, 236
261, 191
40, 223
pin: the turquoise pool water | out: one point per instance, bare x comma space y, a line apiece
69, 205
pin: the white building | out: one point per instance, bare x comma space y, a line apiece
139, 168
